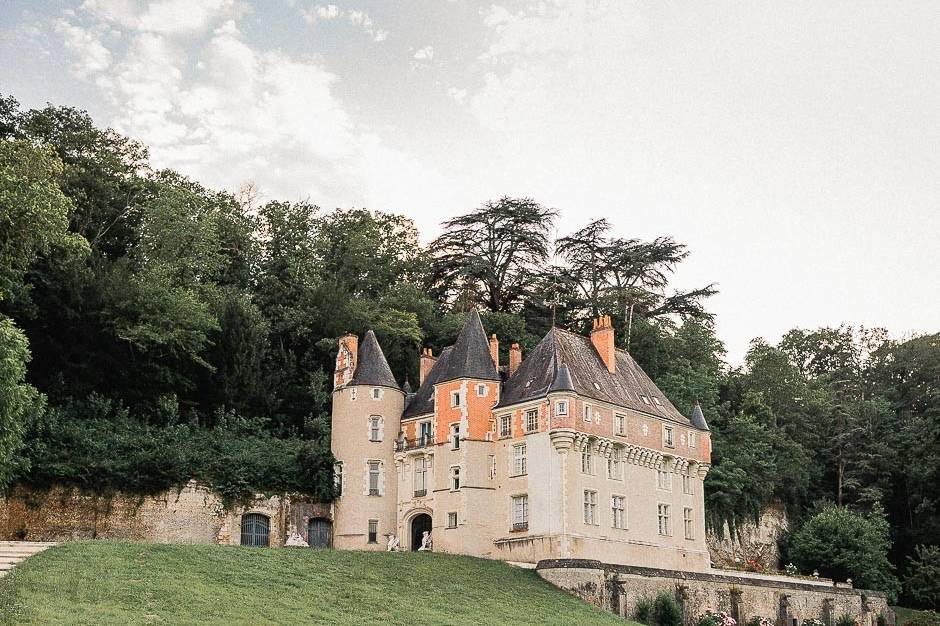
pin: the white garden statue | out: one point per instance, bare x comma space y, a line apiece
394, 545
426, 543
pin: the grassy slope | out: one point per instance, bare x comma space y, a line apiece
123, 583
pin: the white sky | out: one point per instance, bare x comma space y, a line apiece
794, 146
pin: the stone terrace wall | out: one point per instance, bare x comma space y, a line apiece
192, 514
617, 588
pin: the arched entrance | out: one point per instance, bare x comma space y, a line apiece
320, 533
419, 524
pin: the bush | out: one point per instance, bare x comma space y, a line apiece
721, 618
643, 611
924, 618
666, 611
812, 621
845, 620
760, 621
922, 583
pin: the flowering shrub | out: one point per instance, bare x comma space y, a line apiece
812, 621
753, 565
791, 570
761, 621
720, 618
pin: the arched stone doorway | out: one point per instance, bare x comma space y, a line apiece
419, 524
320, 533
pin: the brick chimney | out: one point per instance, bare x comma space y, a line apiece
494, 351
602, 336
515, 358
346, 358
427, 362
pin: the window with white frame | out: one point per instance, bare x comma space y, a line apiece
421, 476
620, 424
663, 479
590, 507
375, 428
662, 511
455, 478
615, 464
531, 420
424, 433
519, 460
687, 484
561, 407
376, 393
452, 519
687, 522
455, 436
505, 425
520, 512
375, 468
668, 437
691, 439
618, 514
481, 390
454, 399
373, 531
587, 461
587, 413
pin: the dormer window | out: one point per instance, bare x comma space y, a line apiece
656, 401
645, 399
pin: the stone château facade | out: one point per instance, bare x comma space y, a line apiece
571, 452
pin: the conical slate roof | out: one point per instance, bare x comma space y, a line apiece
698, 418
371, 366
422, 402
470, 357
562, 380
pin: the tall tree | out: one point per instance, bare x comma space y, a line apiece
492, 256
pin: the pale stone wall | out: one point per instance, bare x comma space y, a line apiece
788, 602
193, 514
752, 542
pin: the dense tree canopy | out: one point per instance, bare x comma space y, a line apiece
153, 330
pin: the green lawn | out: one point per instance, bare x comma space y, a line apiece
125, 583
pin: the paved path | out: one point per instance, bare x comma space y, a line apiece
12, 552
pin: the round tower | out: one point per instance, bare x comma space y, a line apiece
366, 419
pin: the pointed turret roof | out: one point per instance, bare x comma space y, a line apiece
406, 387
371, 366
698, 417
470, 357
422, 402
562, 380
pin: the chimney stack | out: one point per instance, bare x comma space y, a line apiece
346, 358
602, 336
494, 350
427, 362
515, 358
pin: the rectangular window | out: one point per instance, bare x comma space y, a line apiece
421, 477
691, 439
663, 479
492, 466
587, 413
587, 462
668, 437
374, 428
505, 423
455, 398
615, 464
374, 478
687, 522
520, 512
373, 531
617, 510
452, 519
531, 421
338, 478
519, 460
376, 393
481, 390
663, 515
687, 484
425, 433
590, 507
561, 407
620, 424
455, 436
455, 478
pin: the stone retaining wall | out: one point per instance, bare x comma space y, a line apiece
193, 514
617, 588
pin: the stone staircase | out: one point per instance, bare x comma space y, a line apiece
12, 552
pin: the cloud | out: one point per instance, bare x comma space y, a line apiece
227, 113
359, 19
459, 95
168, 17
425, 54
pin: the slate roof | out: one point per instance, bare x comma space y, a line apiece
698, 418
471, 354
371, 366
422, 402
560, 350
